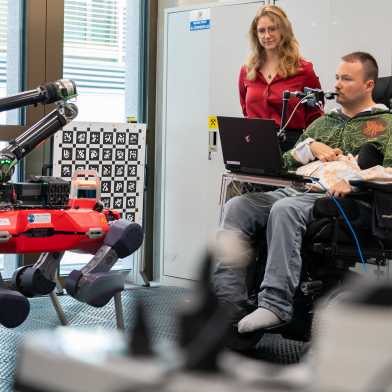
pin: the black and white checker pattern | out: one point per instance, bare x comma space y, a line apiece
116, 151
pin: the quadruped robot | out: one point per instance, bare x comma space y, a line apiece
49, 215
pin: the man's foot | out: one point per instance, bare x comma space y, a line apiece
258, 319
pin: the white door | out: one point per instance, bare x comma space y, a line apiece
200, 79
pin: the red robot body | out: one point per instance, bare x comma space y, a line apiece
48, 230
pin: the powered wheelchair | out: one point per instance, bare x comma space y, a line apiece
330, 250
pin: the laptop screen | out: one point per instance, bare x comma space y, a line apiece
250, 145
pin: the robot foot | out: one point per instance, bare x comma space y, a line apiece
95, 289
14, 308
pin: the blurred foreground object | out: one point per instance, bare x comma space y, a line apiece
353, 348
70, 360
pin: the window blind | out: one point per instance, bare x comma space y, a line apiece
94, 43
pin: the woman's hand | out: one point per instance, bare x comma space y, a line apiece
324, 153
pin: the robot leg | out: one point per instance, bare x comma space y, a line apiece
38, 279
95, 284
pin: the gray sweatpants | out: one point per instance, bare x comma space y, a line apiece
282, 216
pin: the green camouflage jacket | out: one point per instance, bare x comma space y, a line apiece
349, 134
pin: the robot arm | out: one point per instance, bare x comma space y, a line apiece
43, 129
60, 90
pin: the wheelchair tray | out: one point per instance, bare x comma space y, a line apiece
385, 187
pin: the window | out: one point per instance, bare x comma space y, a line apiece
10, 55
10, 83
101, 54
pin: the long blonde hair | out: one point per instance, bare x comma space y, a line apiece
288, 49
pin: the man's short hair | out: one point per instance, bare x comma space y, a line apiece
368, 62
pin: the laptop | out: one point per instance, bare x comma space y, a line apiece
251, 146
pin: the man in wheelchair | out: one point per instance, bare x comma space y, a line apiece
280, 220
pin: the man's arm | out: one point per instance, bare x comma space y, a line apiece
321, 141
289, 161
324, 153
308, 148
340, 189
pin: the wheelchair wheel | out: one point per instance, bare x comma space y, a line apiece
330, 300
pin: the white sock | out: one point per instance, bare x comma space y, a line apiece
258, 319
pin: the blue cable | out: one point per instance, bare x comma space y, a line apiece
341, 210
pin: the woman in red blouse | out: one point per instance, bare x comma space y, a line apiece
275, 65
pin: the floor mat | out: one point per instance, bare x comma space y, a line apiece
160, 304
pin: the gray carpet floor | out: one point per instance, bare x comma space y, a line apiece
160, 304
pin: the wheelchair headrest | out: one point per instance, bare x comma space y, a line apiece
382, 92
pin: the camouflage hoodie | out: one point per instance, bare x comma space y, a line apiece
339, 131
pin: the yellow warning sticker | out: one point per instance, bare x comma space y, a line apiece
132, 119
212, 122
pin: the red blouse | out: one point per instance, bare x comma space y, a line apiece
262, 100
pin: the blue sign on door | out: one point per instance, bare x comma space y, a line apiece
200, 19
200, 24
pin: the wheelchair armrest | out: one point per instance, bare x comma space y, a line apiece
325, 207
381, 195
370, 186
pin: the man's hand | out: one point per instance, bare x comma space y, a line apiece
340, 189
324, 153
